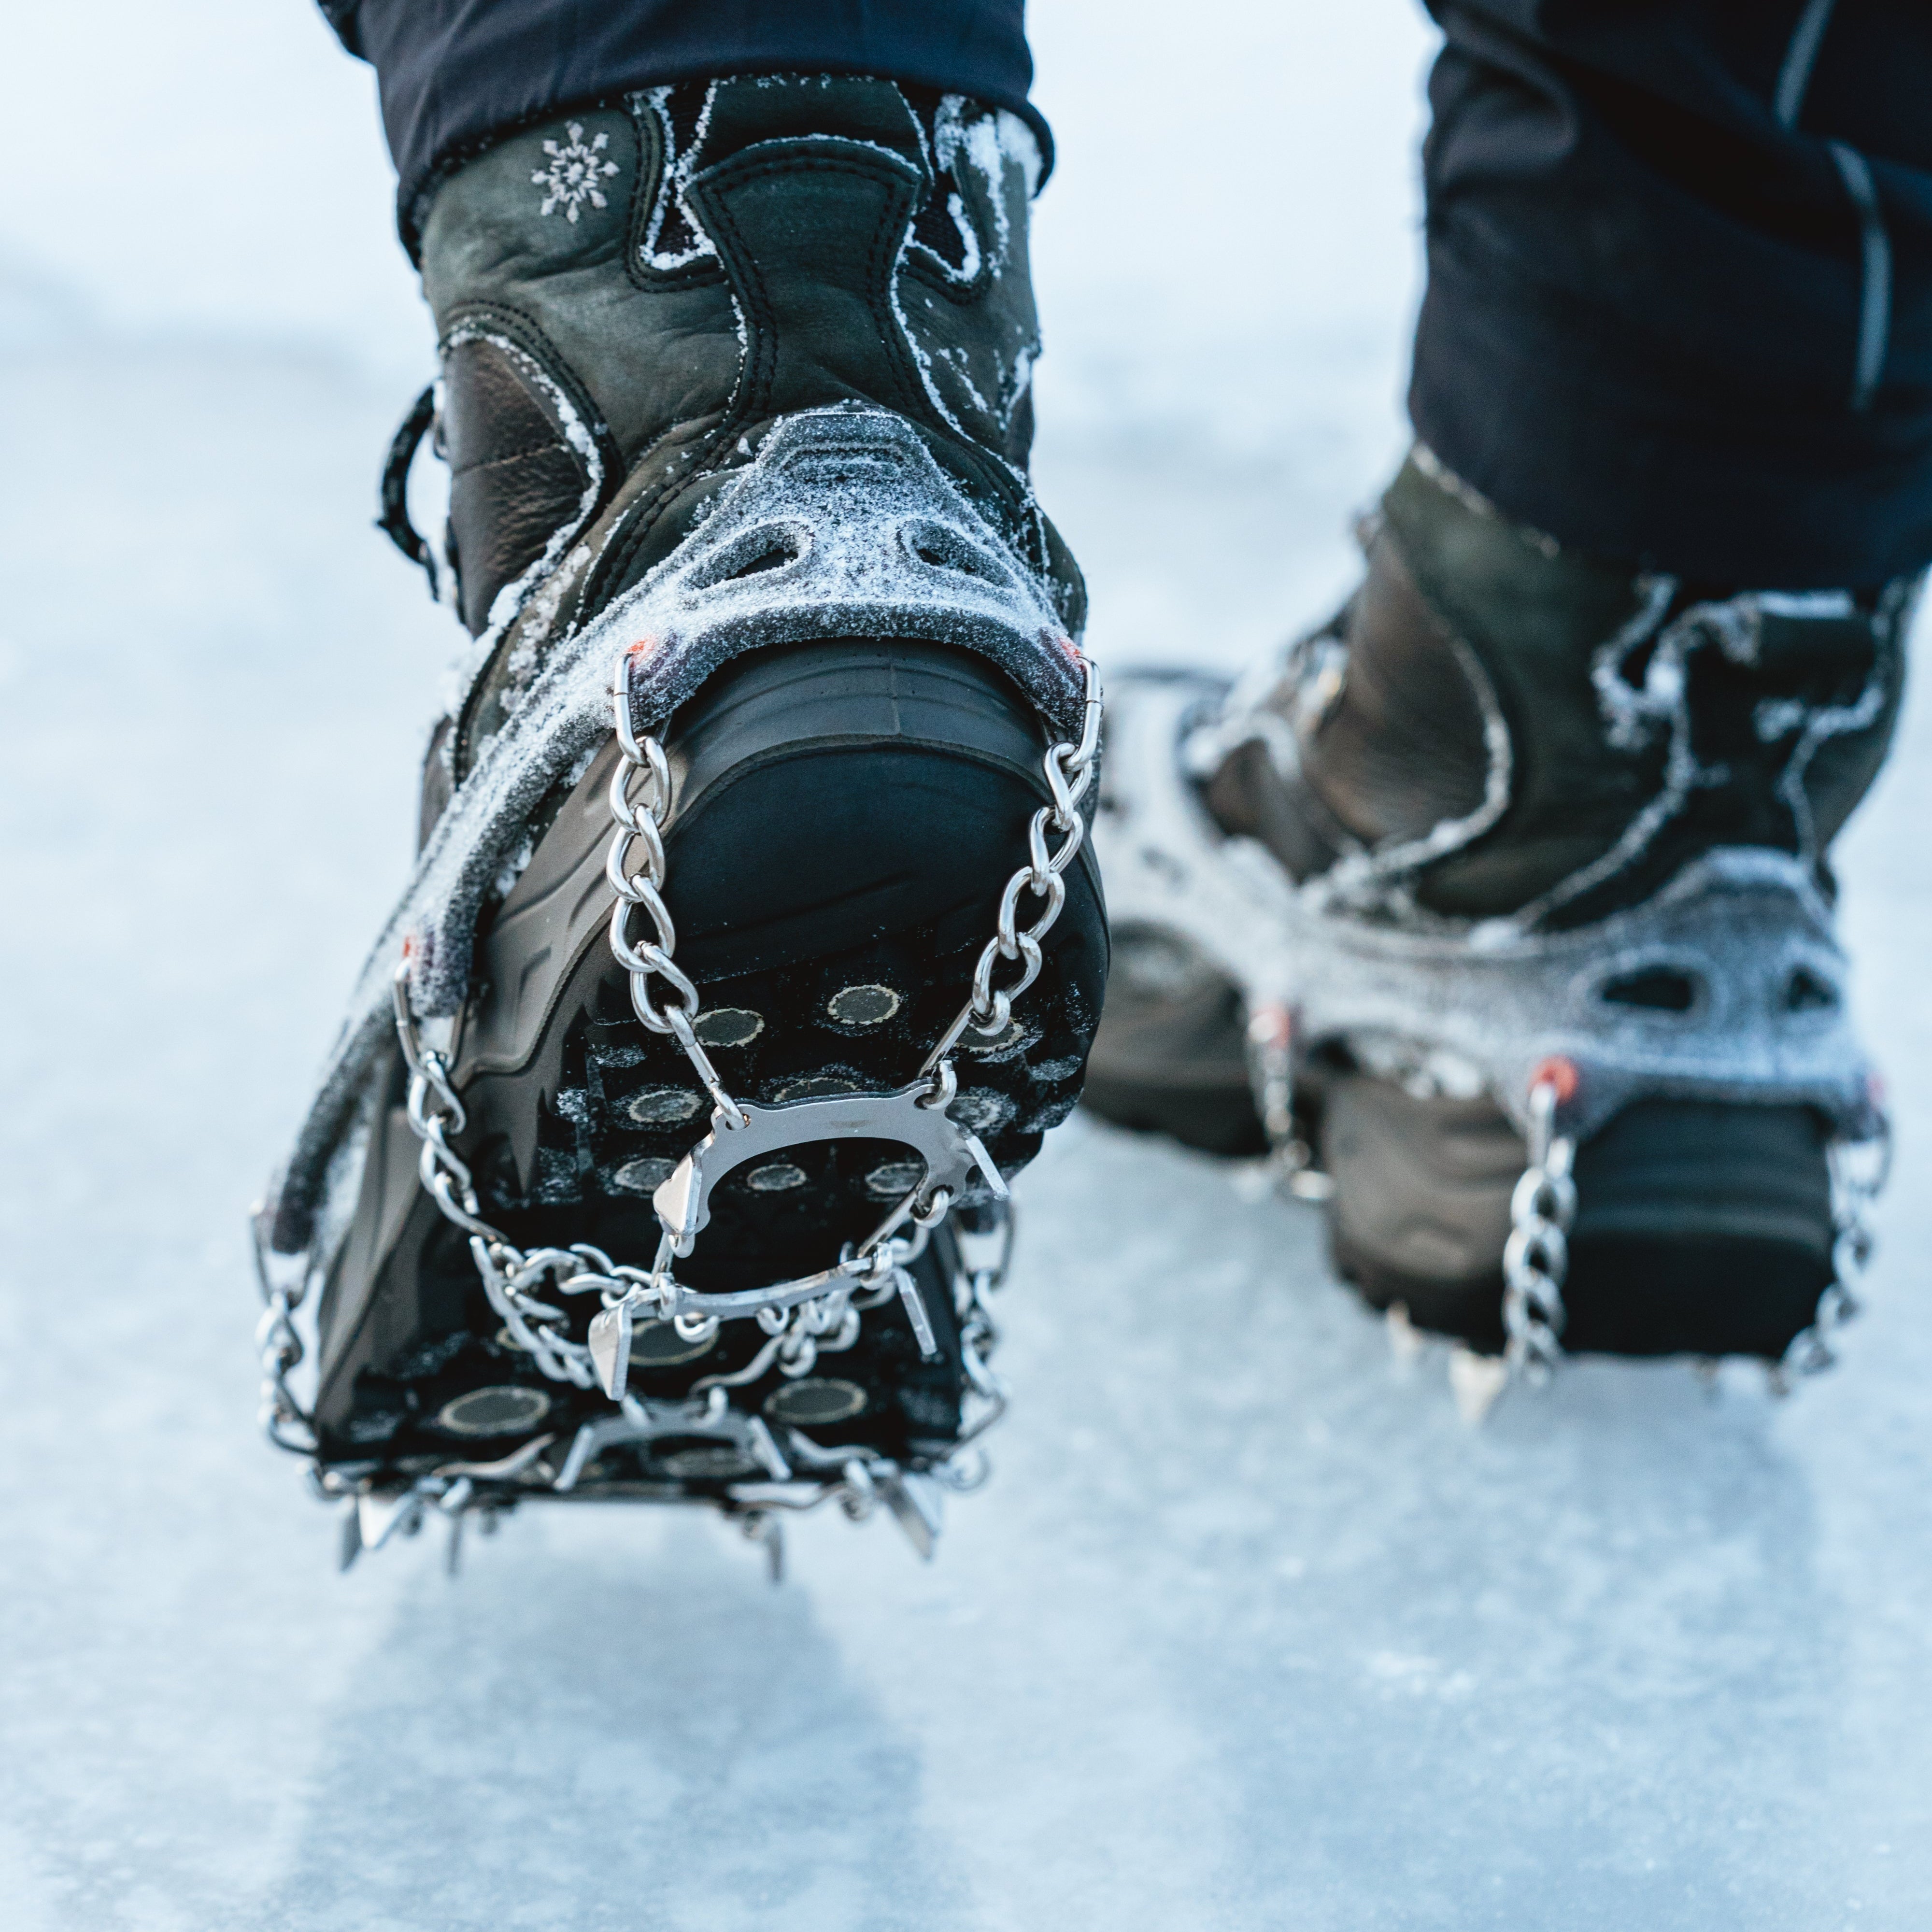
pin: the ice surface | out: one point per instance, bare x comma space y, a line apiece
1250, 1631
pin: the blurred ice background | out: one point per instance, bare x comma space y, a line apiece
1250, 1631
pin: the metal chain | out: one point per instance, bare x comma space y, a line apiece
857, 1479
508, 1274
821, 1314
639, 821
801, 1319
1070, 771
1536, 1258
1859, 1170
1270, 1042
279, 1348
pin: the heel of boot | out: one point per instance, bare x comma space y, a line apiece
830, 793
1701, 1229
1171, 1057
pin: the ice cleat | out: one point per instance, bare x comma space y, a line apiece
1507, 893
753, 942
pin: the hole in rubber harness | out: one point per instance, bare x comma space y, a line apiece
1661, 988
776, 558
940, 548
1806, 992
769, 546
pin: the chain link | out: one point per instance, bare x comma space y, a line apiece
639, 821
1536, 1258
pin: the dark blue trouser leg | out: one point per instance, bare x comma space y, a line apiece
1679, 310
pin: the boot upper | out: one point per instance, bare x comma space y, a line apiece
1496, 727
627, 302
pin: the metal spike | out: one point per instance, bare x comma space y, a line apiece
916, 1313
766, 1450
452, 1551
352, 1538
1405, 1342
762, 1527
610, 1349
379, 1514
915, 1505
1476, 1381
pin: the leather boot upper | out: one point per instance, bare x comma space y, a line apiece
627, 301
1496, 727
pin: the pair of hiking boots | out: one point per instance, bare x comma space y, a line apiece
756, 935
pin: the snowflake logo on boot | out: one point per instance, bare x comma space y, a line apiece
574, 170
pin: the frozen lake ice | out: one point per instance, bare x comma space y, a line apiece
1249, 1631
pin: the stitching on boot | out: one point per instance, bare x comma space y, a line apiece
650, 266
1890, 623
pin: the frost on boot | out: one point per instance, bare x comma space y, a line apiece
1516, 821
774, 690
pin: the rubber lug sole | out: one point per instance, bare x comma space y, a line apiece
1175, 1065
846, 815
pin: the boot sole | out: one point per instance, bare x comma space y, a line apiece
1701, 1229
1176, 1065
845, 816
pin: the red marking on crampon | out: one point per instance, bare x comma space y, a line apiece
1557, 1073
1271, 1025
643, 648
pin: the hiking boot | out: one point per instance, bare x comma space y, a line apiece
1518, 867
753, 944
